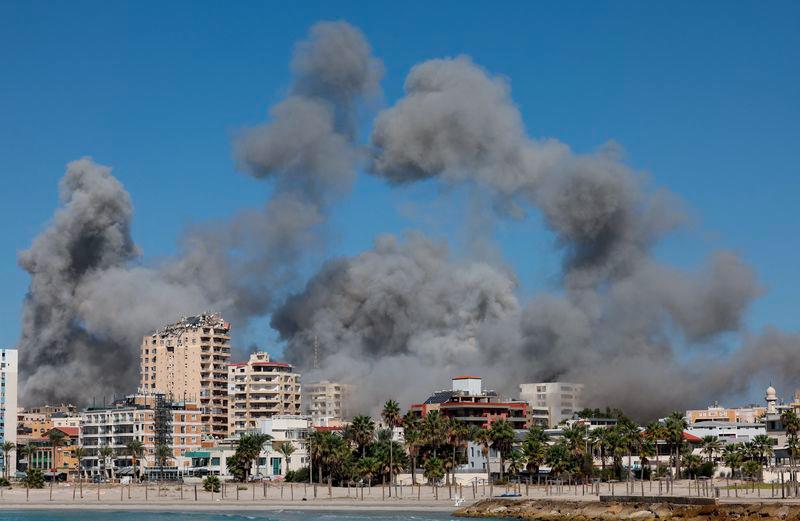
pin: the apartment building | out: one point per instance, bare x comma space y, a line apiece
188, 361
469, 403
562, 399
259, 389
717, 413
8, 405
151, 419
33, 422
62, 464
327, 402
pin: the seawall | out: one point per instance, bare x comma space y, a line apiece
547, 510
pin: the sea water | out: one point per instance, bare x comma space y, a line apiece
287, 515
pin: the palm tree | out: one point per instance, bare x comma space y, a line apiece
412, 437
163, 454
367, 467
458, 435
692, 463
56, 437
732, 456
7, 447
483, 437
710, 446
516, 462
631, 439
363, 431
654, 432
316, 446
676, 424
502, 440
135, 448
286, 449
27, 451
647, 450
534, 449
79, 453
434, 428
391, 417
558, 457
600, 438
763, 444
105, 452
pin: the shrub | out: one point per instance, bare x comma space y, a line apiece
297, 476
4, 482
34, 479
211, 484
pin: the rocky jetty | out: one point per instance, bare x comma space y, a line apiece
546, 510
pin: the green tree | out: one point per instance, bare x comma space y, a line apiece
363, 431
7, 447
502, 441
163, 454
56, 438
710, 446
655, 432
676, 424
212, 484
412, 438
558, 458
104, 454
599, 440
80, 454
434, 429
135, 449
248, 449
286, 449
692, 462
534, 449
483, 437
34, 478
516, 462
368, 467
391, 417
433, 469
732, 457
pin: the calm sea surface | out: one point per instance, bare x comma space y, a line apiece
41, 515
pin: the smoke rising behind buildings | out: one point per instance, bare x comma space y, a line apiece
407, 310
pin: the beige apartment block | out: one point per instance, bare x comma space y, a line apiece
188, 361
138, 417
326, 401
259, 389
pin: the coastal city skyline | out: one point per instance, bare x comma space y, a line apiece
633, 297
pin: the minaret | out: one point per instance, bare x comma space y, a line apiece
772, 400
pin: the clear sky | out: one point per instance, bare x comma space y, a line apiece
704, 96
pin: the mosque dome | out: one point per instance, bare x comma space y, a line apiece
771, 394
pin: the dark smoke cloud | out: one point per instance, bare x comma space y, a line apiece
639, 334
91, 299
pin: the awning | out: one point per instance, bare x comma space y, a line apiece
197, 454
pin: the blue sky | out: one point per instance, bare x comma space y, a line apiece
705, 97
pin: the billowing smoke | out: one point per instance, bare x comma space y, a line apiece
641, 335
91, 299
402, 318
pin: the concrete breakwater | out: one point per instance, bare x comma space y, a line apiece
547, 510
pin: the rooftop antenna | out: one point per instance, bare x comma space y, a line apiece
316, 353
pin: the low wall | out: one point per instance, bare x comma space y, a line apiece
671, 500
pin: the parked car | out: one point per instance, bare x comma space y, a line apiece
97, 478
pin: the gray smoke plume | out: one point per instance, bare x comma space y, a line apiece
626, 325
91, 298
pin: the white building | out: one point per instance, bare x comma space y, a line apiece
562, 399
8, 404
728, 432
285, 428
327, 402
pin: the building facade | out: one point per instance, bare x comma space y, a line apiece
469, 403
562, 399
8, 405
715, 413
327, 402
62, 464
147, 418
188, 361
259, 389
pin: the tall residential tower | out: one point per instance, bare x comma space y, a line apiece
187, 361
8, 404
